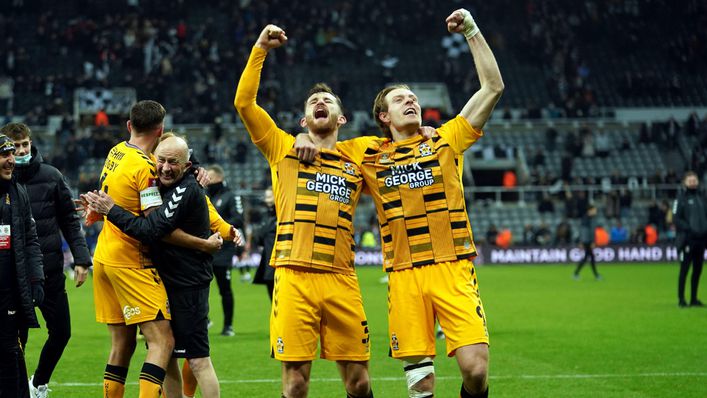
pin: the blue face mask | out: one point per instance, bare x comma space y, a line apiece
23, 159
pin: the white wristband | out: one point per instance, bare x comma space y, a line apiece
470, 27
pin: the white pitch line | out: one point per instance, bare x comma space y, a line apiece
497, 377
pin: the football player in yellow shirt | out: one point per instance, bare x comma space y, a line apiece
425, 231
427, 239
127, 289
316, 295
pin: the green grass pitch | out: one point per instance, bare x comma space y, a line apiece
551, 336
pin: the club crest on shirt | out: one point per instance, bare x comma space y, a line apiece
394, 342
385, 158
425, 149
349, 169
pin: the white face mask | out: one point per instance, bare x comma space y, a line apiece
23, 159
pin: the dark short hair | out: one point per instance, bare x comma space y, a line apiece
16, 131
323, 88
380, 105
147, 115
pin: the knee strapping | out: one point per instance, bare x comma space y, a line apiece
415, 372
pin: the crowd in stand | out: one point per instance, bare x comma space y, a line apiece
186, 56
156, 48
610, 192
552, 41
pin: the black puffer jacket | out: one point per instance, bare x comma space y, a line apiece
28, 257
54, 212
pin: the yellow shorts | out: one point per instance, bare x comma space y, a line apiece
309, 306
128, 295
446, 291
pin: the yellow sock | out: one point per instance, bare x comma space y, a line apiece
149, 389
189, 382
151, 378
114, 381
113, 389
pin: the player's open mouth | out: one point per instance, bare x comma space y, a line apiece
410, 111
321, 113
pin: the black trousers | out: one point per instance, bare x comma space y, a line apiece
13, 371
588, 255
55, 310
223, 280
692, 254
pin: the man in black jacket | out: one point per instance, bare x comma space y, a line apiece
264, 235
690, 217
230, 207
186, 273
586, 238
53, 211
21, 274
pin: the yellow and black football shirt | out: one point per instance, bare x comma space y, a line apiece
315, 202
417, 187
130, 178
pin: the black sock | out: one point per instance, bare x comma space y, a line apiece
115, 373
464, 394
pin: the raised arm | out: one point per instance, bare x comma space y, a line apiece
258, 123
479, 107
